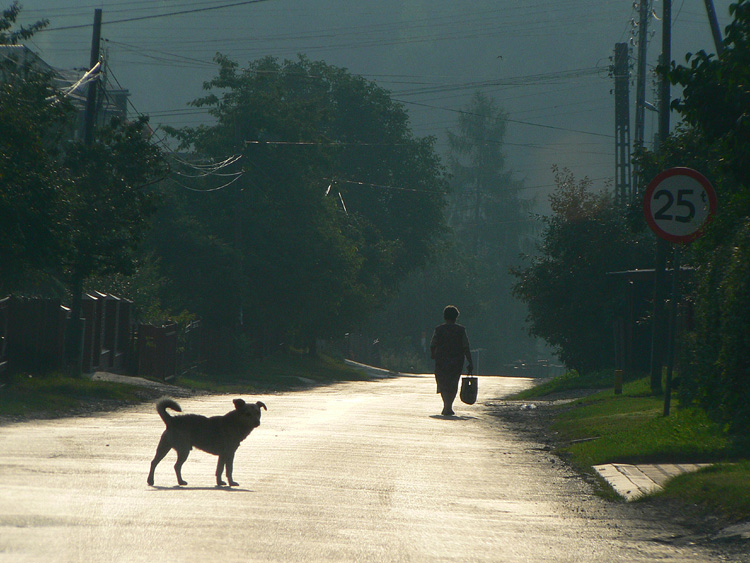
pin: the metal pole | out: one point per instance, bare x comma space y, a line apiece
714, 23
672, 330
640, 88
662, 247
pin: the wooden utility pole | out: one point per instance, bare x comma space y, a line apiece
75, 325
90, 115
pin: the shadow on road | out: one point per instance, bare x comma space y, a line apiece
452, 417
214, 488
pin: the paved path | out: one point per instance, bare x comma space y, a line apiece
362, 471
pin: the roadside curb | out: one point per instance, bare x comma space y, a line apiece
635, 481
371, 370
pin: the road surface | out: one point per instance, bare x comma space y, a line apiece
362, 471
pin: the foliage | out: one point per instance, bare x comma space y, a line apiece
715, 103
11, 36
490, 223
109, 198
335, 202
715, 98
32, 118
572, 302
69, 211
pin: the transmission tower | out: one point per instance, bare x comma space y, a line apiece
623, 180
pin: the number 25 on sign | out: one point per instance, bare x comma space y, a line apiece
678, 204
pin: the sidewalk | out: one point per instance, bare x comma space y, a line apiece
633, 481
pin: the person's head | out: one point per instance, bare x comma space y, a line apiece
450, 313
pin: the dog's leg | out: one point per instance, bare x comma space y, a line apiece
230, 467
182, 455
219, 470
161, 450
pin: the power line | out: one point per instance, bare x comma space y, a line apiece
509, 120
155, 16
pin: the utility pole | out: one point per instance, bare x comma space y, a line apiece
623, 189
640, 85
714, 23
75, 325
658, 335
90, 115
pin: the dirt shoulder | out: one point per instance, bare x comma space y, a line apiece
534, 420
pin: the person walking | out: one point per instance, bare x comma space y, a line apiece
448, 347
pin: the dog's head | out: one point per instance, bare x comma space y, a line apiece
249, 411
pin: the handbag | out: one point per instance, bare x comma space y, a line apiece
468, 389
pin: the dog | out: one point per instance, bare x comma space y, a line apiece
217, 435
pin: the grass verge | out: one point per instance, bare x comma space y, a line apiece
34, 394
631, 428
54, 394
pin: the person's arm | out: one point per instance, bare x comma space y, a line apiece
467, 353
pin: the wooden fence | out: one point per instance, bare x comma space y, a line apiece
33, 332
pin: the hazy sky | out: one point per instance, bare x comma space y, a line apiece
545, 62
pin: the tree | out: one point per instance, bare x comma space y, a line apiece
32, 119
491, 223
335, 200
715, 103
572, 302
69, 211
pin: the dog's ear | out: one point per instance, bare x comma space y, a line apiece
238, 403
260, 404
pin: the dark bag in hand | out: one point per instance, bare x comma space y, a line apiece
469, 389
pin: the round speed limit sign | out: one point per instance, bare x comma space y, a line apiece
678, 204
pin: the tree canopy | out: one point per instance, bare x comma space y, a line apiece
334, 200
68, 210
572, 301
715, 104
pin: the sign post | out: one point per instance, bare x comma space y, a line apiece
678, 205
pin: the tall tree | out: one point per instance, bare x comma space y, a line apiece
491, 222
337, 201
67, 210
715, 103
32, 116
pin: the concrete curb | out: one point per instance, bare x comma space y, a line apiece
634, 481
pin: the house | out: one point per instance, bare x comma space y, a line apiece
74, 83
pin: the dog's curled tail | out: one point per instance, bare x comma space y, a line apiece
163, 405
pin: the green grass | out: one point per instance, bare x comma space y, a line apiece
572, 381
720, 488
58, 393
26, 394
631, 428
284, 371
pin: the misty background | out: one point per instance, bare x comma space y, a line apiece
546, 65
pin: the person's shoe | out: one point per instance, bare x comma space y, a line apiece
448, 412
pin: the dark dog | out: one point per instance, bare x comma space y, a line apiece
218, 435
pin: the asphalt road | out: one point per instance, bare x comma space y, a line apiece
361, 471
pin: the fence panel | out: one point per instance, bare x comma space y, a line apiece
157, 351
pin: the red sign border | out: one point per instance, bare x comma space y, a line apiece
679, 171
